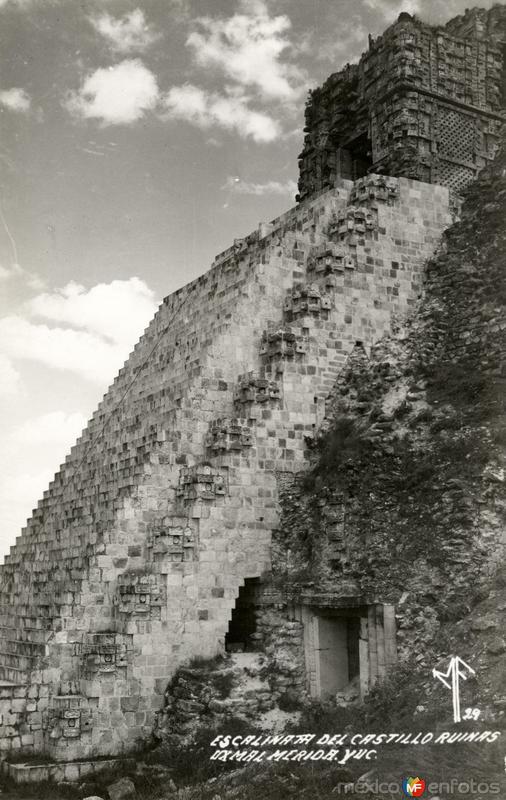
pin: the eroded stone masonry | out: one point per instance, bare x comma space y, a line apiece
423, 102
153, 543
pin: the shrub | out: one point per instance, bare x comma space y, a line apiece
289, 701
223, 682
345, 441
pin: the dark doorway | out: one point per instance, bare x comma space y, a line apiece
341, 662
242, 625
353, 631
354, 159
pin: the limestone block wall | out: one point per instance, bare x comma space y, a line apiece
132, 561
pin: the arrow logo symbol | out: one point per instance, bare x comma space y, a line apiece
457, 670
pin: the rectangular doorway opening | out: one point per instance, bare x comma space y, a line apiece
338, 656
347, 648
354, 159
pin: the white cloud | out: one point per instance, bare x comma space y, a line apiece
248, 47
126, 34
11, 379
17, 3
111, 310
252, 51
77, 352
56, 427
116, 95
207, 109
26, 4
238, 186
15, 99
17, 272
110, 317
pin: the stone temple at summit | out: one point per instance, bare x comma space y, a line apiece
153, 543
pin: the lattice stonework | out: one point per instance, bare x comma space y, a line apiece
457, 134
455, 176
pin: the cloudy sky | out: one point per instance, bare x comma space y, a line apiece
138, 138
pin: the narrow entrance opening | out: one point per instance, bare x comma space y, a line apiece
353, 646
340, 656
355, 158
347, 647
242, 625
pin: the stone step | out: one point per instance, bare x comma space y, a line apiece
24, 634
15, 660
14, 620
13, 675
24, 773
15, 602
26, 610
22, 647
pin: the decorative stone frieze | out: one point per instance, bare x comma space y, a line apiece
229, 435
103, 655
330, 258
306, 300
254, 389
172, 542
373, 189
68, 717
140, 595
201, 482
282, 343
354, 221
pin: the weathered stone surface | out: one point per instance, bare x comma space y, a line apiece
133, 560
497, 646
484, 624
423, 102
123, 789
187, 472
407, 468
